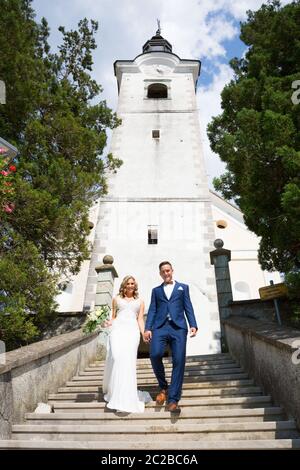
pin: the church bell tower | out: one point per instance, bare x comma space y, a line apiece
158, 206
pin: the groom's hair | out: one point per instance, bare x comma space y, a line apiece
163, 263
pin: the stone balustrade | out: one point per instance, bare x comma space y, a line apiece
33, 371
271, 356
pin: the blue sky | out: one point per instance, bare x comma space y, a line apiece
197, 29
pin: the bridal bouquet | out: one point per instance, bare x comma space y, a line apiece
97, 319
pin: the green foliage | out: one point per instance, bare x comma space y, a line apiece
258, 134
27, 291
292, 280
61, 167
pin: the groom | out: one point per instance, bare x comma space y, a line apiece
166, 324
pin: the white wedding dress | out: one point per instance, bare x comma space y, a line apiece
119, 380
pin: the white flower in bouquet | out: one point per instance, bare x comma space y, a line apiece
97, 319
92, 316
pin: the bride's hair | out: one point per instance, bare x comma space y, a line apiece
122, 289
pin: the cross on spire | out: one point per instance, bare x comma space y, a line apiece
158, 32
157, 43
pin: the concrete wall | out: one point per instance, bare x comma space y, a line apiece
32, 372
245, 272
262, 310
71, 299
271, 355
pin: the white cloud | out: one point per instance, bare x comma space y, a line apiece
196, 29
209, 105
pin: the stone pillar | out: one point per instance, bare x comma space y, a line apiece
220, 259
106, 274
105, 283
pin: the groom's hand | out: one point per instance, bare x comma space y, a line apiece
193, 332
147, 336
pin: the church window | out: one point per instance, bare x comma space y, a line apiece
155, 134
157, 91
152, 236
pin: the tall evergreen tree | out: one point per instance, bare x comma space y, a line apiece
258, 135
54, 117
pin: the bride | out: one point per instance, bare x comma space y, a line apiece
119, 380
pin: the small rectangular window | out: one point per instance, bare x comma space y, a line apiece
155, 134
152, 236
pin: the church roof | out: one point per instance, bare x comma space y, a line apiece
226, 206
157, 44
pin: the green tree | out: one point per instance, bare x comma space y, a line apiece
54, 117
258, 134
27, 291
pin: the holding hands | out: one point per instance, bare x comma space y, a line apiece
147, 336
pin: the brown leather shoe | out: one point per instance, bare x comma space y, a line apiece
161, 397
173, 407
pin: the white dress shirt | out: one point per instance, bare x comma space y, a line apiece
168, 288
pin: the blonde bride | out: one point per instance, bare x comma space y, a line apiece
120, 375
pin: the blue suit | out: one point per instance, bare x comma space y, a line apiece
166, 320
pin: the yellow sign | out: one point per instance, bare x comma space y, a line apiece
273, 292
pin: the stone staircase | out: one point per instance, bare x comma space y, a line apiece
221, 408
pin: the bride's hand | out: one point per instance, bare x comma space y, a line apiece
147, 336
107, 323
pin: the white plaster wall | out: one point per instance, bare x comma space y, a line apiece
162, 182
133, 96
72, 298
243, 244
152, 167
181, 234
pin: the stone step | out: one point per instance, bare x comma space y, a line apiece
197, 416
185, 393
199, 358
187, 373
221, 408
174, 432
189, 359
255, 444
190, 380
208, 403
85, 381
168, 366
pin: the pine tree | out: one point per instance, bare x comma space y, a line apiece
54, 117
258, 135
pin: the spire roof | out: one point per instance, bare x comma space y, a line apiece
157, 43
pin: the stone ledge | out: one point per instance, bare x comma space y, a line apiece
269, 354
279, 336
155, 199
32, 352
248, 301
72, 314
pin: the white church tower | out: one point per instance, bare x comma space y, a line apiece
158, 206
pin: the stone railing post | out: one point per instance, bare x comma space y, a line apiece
105, 282
105, 285
220, 258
